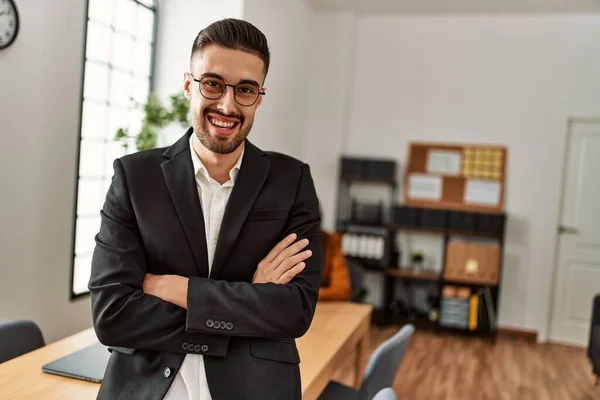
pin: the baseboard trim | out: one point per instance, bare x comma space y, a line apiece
517, 333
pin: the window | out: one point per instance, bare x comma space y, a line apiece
117, 80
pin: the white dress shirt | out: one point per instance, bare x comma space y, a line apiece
190, 382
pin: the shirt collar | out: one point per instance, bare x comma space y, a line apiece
200, 168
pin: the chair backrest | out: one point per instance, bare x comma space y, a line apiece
17, 338
386, 394
383, 364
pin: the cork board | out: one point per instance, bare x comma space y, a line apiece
455, 176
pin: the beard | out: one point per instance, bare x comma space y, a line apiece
218, 144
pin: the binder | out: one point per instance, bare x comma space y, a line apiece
473, 311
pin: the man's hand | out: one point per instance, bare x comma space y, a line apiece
281, 265
284, 262
171, 288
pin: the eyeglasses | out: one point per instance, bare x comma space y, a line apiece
244, 93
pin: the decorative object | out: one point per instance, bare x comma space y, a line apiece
9, 23
156, 116
417, 262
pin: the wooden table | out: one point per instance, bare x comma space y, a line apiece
338, 329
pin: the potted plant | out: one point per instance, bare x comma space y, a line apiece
417, 262
156, 117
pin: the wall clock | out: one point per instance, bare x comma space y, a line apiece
9, 23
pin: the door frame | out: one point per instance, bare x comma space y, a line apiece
561, 202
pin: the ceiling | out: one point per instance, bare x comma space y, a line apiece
459, 6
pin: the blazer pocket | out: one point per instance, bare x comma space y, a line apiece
267, 214
123, 350
275, 350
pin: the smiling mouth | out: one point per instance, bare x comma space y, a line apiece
222, 125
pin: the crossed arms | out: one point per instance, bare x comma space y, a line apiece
133, 309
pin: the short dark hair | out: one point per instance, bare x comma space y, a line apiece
233, 34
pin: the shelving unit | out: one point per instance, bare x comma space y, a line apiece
374, 219
449, 224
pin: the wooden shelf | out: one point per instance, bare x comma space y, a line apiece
408, 273
467, 283
418, 229
448, 231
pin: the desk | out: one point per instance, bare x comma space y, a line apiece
337, 330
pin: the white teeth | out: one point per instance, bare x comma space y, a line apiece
222, 124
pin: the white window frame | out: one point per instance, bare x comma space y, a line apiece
99, 117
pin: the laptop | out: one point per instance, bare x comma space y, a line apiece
88, 364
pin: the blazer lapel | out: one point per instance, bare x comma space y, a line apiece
178, 171
250, 180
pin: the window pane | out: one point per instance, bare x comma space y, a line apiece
122, 51
98, 42
118, 117
87, 228
96, 82
91, 157
108, 180
120, 88
90, 197
136, 117
149, 3
102, 10
145, 24
125, 16
93, 120
143, 57
141, 89
81, 274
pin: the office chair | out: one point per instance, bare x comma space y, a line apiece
386, 394
19, 337
380, 371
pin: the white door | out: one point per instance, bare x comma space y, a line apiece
577, 278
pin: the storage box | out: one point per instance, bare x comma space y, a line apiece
352, 168
462, 221
491, 224
431, 218
472, 262
407, 216
454, 313
381, 170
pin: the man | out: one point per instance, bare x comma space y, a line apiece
208, 260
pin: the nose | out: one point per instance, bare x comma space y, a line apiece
227, 101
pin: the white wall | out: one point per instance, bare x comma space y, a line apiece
179, 22
332, 56
40, 96
508, 80
280, 120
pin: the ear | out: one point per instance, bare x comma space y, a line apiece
187, 85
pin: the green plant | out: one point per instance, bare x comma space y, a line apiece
417, 257
156, 117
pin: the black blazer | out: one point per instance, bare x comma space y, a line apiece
152, 222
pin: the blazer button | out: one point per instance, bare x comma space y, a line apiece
216, 324
167, 372
197, 348
184, 346
223, 324
204, 348
210, 323
229, 326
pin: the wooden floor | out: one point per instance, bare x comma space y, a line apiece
449, 367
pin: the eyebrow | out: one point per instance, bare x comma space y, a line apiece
213, 75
